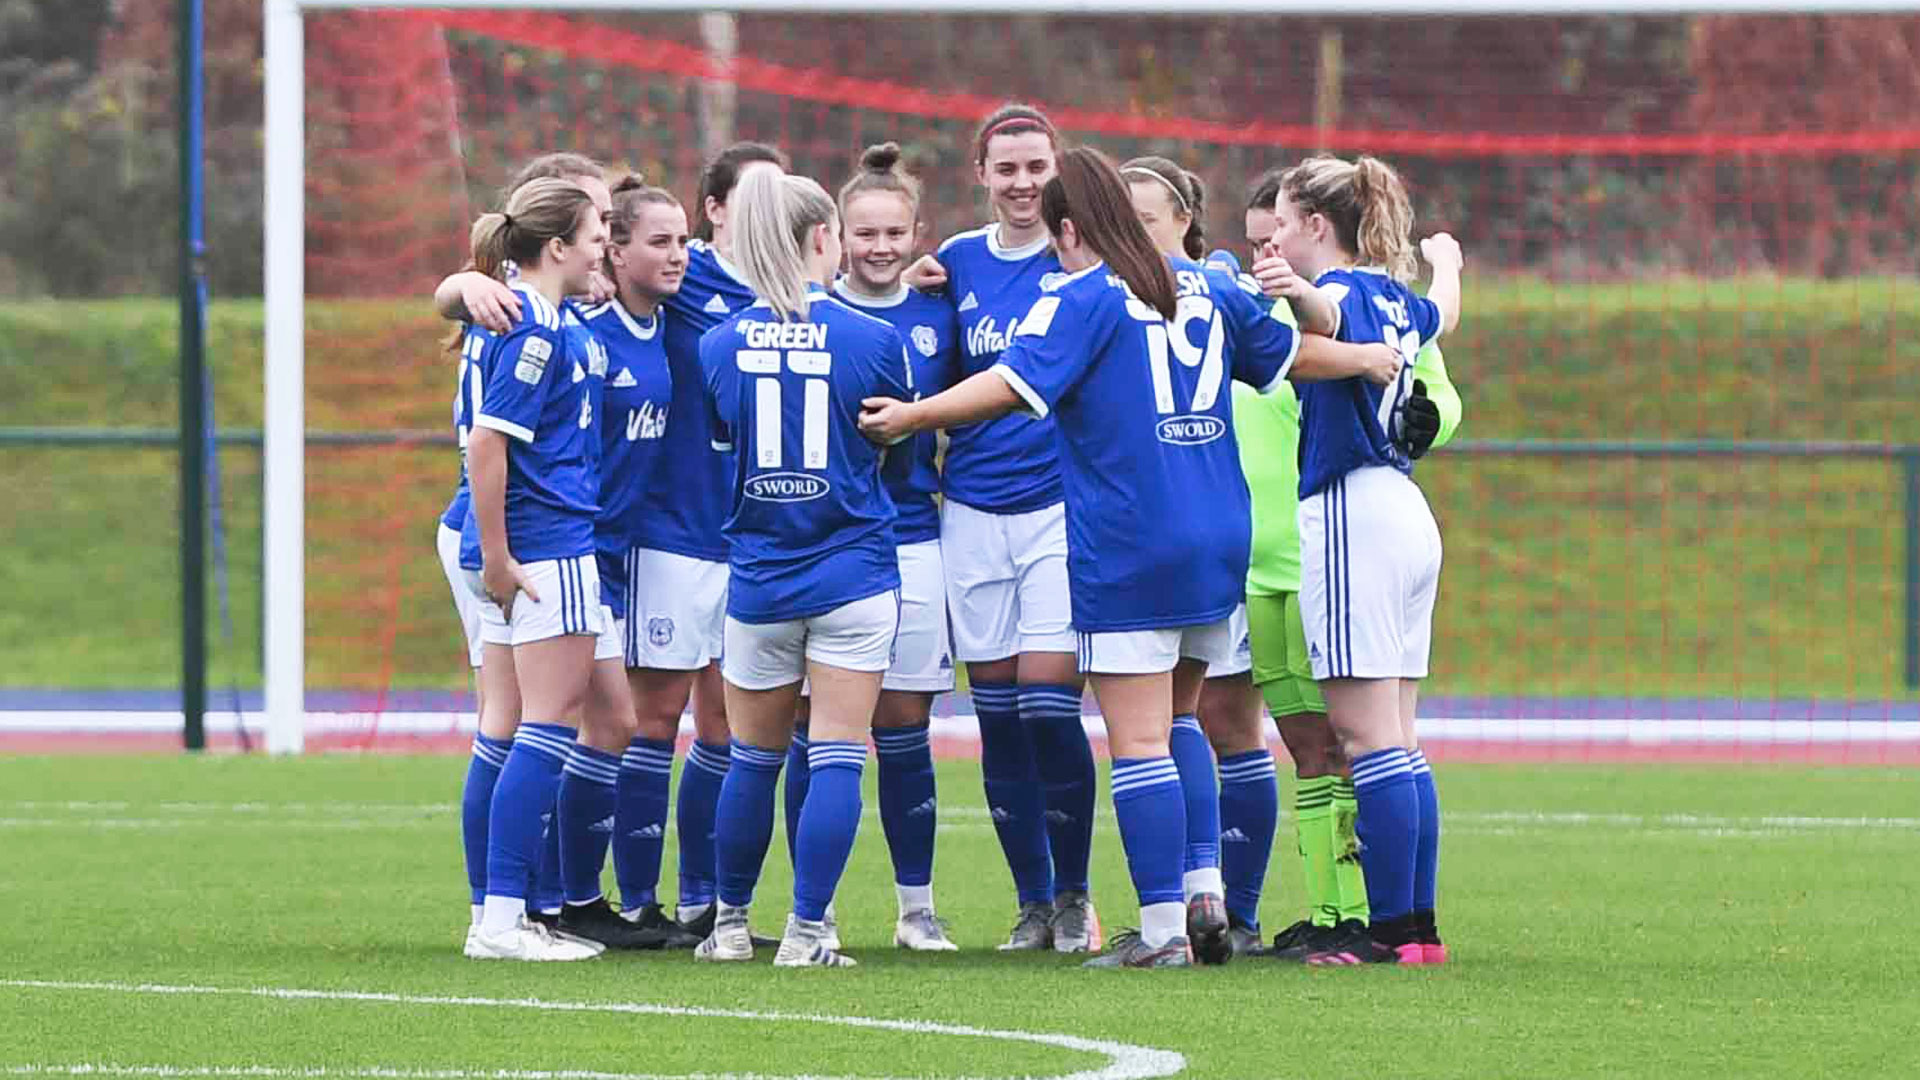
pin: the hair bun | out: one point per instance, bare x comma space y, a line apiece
633, 181
881, 158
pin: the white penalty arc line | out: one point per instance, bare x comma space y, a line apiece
1124, 1061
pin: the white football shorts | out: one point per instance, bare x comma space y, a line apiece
1007, 590
1149, 652
569, 603
1369, 572
676, 610
465, 603
856, 636
923, 649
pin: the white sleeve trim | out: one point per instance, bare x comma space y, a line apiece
1440, 327
1036, 404
1336, 292
504, 427
1293, 353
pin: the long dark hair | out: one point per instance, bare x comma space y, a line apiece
1089, 191
717, 180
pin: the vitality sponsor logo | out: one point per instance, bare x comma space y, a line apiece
649, 421
985, 338
787, 487
1190, 430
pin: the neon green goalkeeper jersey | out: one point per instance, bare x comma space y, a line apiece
1268, 429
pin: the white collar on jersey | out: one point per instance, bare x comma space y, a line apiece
643, 331
1026, 251
860, 299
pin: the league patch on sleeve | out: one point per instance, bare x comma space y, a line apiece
532, 362
1040, 318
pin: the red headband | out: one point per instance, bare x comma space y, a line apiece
1036, 121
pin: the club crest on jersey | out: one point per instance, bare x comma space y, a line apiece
1192, 430
925, 340
787, 487
660, 632
532, 361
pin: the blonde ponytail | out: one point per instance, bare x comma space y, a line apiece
771, 214
1385, 233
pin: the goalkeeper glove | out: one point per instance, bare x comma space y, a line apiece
1419, 422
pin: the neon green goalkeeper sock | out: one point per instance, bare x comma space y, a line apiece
1346, 846
1313, 826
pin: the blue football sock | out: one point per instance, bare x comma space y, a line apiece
1153, 826
907, 801
828, 823
544, 892
1064, 759
640, 819
1014, 797
1389, 830
523, 800
476, 803
587, 805
1194, 758
794, 793
1426, 863
1249, 813
744, 826
700, 780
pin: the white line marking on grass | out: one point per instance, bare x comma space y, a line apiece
1124, 1061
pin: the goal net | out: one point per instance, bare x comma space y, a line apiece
1679, 513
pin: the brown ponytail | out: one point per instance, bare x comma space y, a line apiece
1089, 192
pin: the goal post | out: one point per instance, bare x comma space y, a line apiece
1508, 154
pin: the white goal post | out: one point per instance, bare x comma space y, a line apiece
283, 459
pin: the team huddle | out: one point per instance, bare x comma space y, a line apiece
776, 470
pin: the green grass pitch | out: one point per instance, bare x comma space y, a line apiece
1605, 922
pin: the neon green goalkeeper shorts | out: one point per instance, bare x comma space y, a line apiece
1280, 667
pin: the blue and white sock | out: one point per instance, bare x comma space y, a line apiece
1249, 813
828, 824
522, 806
1064, 761
1426, 862
1388, 826
1193, 756
700, 780
794, 792
476, 803
1153, 829
1014, 798
587, 808
640, 819
908, 805
744, 827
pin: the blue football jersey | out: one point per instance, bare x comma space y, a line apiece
812, 526
533, 387
637, 395
686, 504
472, 343
1159, 520
1009, 465
931, 332
1348, 424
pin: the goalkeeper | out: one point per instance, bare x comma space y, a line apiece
1268, 429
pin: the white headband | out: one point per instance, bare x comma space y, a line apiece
1142, 170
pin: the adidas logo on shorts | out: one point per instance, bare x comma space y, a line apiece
999, 815
649, 832
922, 810
1233, 836
604, 825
